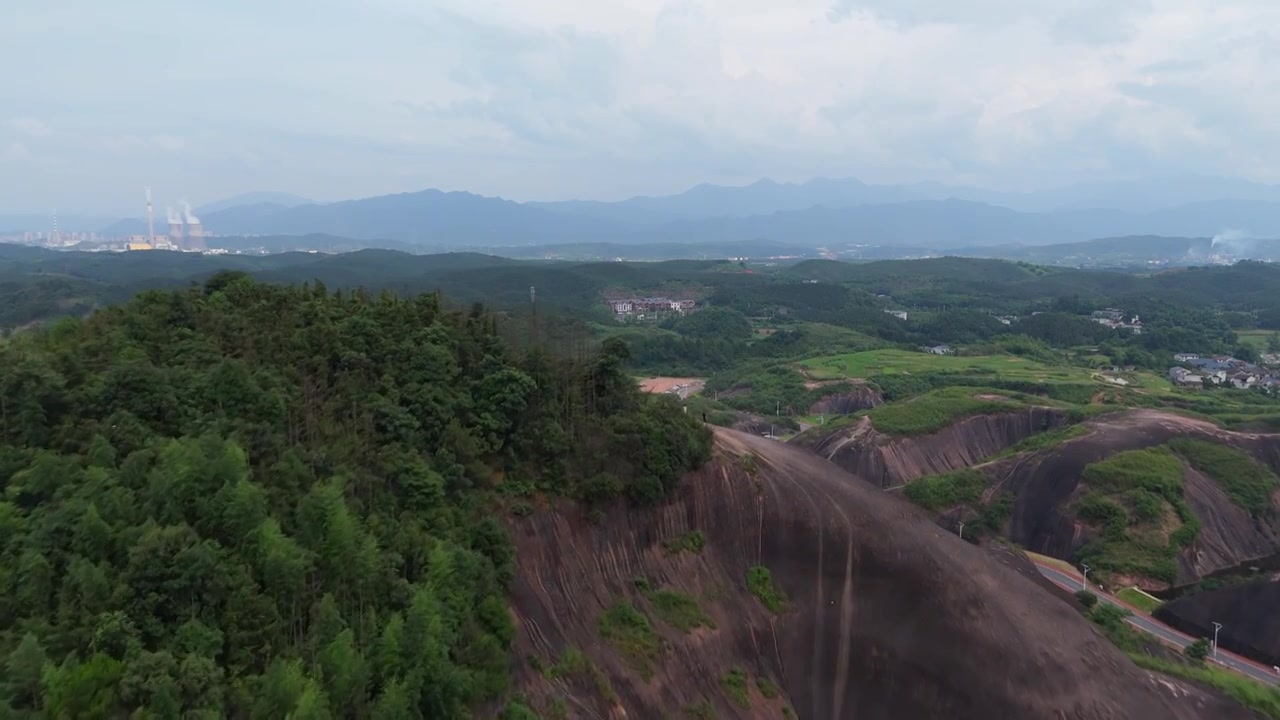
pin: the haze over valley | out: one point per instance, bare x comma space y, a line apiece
692, 359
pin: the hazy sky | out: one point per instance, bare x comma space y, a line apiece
549, 99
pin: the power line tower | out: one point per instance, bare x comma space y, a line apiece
533, 319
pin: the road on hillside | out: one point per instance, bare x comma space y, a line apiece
1164, 632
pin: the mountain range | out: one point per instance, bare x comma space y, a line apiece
820, 212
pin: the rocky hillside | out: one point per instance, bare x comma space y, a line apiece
777, 585
889, 460
1251, 626
851, 398
1152, 498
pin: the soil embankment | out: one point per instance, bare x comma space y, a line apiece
885, 615
889, 461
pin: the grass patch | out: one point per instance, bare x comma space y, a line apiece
1245, 481
760, 583
700, 711
629, 631
1052, 562
937, 492
1044, 440
573, 663
557, 709
1135, 597
1249, 693
679, 610
734, 683
767, 688
717, 413
691, 542
935, 410
1135, 497
891, 362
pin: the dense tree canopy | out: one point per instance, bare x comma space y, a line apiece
243, 500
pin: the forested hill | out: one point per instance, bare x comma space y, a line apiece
245, 500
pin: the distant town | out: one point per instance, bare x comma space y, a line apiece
1194, 371
649, 308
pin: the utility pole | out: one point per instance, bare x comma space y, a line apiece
1084, 579
1216, 627
533, 319
960, 529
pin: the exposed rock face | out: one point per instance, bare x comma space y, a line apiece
851, 400
888, 616
1251, 625
889, 461
1044, 483
1228, 533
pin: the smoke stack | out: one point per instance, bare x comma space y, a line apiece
175, 225
151, 225
195, 233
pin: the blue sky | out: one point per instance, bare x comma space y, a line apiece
579, 98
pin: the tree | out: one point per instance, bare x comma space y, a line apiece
1246, 352
1087, 599
24, 673
346, 675
1198, 650
167, 547
86, 690
396, 702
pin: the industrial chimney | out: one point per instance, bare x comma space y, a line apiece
195, 234
151, 225
175, 226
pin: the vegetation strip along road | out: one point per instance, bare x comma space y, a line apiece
1165, 633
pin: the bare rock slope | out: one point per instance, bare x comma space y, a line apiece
889, 461
1251, 626
885, 614
1044, 484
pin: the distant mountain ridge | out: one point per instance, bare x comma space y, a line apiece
282, 199
817, 213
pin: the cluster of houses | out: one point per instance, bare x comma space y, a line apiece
1195, 371
1114, 318
640, 308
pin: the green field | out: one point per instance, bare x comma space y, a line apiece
1135, 597
1257, 339
935, 410
890, 362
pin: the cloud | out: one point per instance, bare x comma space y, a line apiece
16, 152
565, 98
31, 127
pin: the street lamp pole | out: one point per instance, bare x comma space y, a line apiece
1216, 627
960, 530
1084, 579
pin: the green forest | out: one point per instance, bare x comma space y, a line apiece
247, 500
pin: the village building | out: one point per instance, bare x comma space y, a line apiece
1183, 377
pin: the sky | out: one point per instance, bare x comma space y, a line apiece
604, 99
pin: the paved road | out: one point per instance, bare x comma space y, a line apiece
1164, 632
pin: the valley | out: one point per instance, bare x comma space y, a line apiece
779, 499
545, 361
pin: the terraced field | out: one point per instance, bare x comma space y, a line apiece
889, 362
